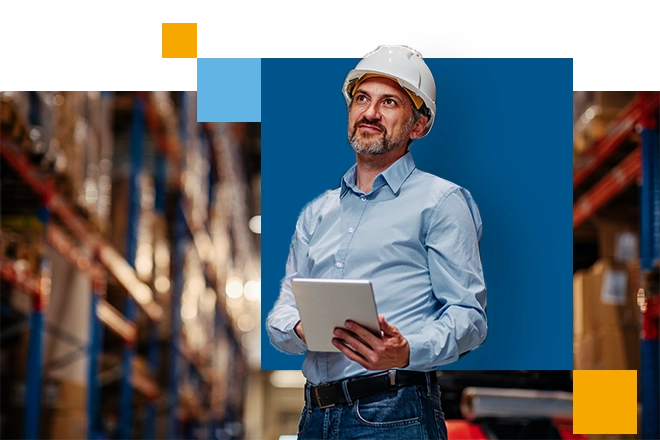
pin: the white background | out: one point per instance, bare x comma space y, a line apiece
83, 45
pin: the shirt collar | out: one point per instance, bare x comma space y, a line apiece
394, 176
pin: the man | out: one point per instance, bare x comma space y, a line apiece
415, 237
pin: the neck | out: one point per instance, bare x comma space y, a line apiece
369, 166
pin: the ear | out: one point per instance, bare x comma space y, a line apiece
418, 128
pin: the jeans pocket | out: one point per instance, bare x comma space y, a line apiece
302, 424
397, 408
434, 392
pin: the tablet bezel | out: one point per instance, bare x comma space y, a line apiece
324, 304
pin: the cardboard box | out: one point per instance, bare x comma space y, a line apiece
585, 355
584, 314
617, 240
618, 350
62, 395
64, 424
606, 316
607, 350
614, 294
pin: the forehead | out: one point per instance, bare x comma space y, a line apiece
381, 86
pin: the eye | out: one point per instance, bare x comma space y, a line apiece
389, 102
360, 98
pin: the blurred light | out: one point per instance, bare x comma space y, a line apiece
287, 379
234, 304
208, 300
161, 254
253, 290
91, 191
143, 265
162, 283
234, 288
141, 292
188, 310
105, 165
255, 224
590, 113
196, 285
83, 262
245, 323
250, 341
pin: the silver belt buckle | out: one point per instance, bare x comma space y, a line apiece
392, 375
318, 397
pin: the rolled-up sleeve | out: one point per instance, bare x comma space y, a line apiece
458, 284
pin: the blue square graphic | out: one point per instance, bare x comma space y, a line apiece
229, 90
504, 131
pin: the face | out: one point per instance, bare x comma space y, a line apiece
380, 118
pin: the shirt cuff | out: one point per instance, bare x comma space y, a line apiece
425, 354
297, 341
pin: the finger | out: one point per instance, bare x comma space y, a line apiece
363, 333
349, 353
353, 341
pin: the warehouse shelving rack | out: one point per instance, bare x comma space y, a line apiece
183, 362
642, 163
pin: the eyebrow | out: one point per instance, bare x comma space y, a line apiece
359, 90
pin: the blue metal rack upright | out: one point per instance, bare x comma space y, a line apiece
153, 347
93, 352
34, 373
181, 236
130, 311
649, 238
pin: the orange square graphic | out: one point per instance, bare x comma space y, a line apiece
179, 40
605, 401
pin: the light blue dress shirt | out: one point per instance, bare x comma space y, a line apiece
416, 237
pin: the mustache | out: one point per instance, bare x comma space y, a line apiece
368, 122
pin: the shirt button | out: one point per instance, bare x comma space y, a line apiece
363, 198
338, 264
350, 230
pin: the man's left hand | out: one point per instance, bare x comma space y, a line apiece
391, 350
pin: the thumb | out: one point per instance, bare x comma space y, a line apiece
385, 326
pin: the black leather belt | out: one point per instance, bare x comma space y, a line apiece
331, 394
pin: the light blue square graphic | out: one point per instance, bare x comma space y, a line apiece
229, 89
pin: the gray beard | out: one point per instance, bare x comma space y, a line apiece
374, 149
380, 146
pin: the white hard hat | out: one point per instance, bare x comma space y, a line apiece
402, 64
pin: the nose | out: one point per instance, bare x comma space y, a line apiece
372, 111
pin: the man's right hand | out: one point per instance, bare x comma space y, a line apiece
299, 331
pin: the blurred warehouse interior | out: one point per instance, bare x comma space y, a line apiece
130, 263
616, 227
130, 266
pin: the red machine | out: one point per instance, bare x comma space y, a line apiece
498, 409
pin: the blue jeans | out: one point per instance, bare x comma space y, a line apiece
411, 412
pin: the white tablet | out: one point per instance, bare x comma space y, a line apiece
325, 304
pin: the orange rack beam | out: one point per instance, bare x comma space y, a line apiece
622, 126
609, 186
